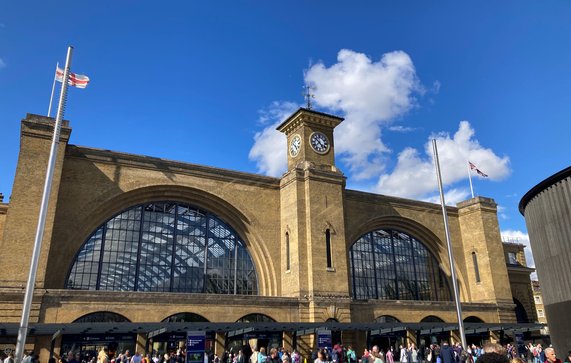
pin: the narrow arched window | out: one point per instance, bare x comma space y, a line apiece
328, 248
476, 269
287, 251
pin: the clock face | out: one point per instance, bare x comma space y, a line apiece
295, 146
319, 142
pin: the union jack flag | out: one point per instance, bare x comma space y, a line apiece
473, 167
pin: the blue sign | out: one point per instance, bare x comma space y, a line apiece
195, 346
324, 339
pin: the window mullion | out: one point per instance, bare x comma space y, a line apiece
397, 292
207, 216
173, 254
139, 247
374, 265
98, 281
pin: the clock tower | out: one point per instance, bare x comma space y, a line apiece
310, 139
314, 252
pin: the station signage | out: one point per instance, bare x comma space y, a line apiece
195, 346
324, 339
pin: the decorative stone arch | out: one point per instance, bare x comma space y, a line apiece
255, 318
386, 319
473, 319
328, 226
102, 317
432, 319
421, 233
185, 317
520, 312
227, 212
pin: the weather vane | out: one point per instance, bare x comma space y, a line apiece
308, 95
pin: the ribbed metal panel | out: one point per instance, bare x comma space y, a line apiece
548, 219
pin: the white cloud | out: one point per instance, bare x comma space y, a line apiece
400, 128
269, 150
502, 212
414, 175
436, 86
370, 94
523, 238
451, 197
2, 63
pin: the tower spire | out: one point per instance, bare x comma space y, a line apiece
308, 96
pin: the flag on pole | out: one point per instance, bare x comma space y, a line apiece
76, 80
473, 167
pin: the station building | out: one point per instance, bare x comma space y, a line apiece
133, 238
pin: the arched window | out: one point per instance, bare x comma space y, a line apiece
102, 317
185, 318
255, 318
473, 319
164, 246
476, 268
287, 251
328, 248
391, 265
432, 319
386, 319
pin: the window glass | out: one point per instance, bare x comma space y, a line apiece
392, 265
164, 246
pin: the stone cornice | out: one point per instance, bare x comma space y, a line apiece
161, 165
310, 172
81, 296
306, 116
365, 197
43, 127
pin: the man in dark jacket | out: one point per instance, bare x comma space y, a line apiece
446, 353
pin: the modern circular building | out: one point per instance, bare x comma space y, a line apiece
547, 211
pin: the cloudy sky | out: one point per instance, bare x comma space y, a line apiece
207, 83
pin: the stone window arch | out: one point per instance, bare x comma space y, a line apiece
165, 246
388, 264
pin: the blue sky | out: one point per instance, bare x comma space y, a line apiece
204, 82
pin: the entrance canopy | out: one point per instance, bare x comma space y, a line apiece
11, 329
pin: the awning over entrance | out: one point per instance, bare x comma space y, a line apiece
11, 329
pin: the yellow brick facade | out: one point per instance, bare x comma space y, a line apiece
92, 185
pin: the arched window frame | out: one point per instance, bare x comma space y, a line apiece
288, 252
368, 258
328, 251
213, 224
476, 267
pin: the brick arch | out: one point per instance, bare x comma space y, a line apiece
428, 238
473, 319
83, 315
236, 219
186, 314
432, 319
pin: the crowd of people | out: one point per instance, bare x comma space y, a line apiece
445, 353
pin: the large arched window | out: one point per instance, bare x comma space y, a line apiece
391, 265
164, 246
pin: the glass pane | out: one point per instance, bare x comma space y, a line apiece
164, 246
391, 265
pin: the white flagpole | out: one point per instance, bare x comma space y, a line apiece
53, 89
23, 331
470, 178
449, 245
